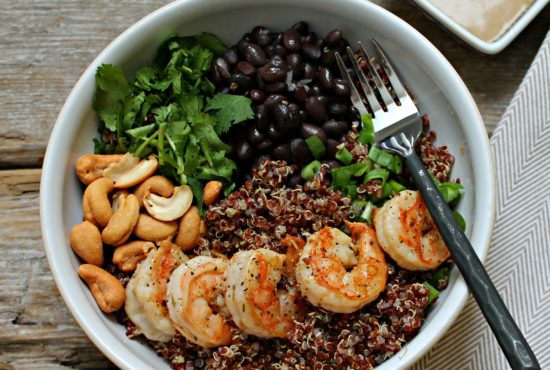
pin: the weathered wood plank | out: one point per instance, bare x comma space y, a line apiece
46, 45
37, 331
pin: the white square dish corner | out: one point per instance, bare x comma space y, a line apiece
492, 47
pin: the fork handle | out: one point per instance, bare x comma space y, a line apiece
511, 340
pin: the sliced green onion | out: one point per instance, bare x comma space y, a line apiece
392, 162
367, 213
451, 191
341, 176
344, 156
460, 221
362, 167
377, 173
366, 135
397, 187
316, 146
351, 190
434, 293
309, 171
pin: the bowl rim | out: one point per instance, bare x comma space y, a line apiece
486, 47
56, 149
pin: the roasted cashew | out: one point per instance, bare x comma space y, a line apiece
127, 256
95, 202
106, 289
151, 229
211, 192
86, 242
155, 184
118, 197
169, 209
122, 223
189, 230
130, 170
89, 167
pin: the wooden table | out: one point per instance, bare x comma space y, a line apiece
45, 45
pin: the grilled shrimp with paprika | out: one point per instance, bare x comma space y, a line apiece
146, 292
257, 304
406, 232
195, 299
341, 273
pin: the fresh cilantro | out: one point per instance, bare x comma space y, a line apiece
229, 109
170, 110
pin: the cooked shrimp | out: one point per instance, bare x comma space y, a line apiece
406, 231
195, 300
257, 305
147, 288
341, 273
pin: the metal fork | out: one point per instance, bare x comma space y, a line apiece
396, 129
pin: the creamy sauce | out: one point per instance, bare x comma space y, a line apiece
485, 19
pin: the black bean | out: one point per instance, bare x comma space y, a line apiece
261, 36
275, 87
277, 38
327, 58
309, 71
282, 152
262, 116
295, 180
342, 45
325, 79
223, 68
301, 27
335, 128
334, 37
309, 129
273, 50
292, 40
242, 45
300, 151
246, 68
245, 151
294, 61
316, 90
341, 88
255, 55
354, 114
230, 56
271, 74
265, 145
323, 99
240, 83
303, 115
294, 110
311, 52
315, 109
338, 110
257, 95
254, 135
214, 75
282, 117
262, 158
310, 38
274, 133
273, 100
332, 147
301, 93
278, 61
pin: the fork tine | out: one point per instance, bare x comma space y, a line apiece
385, 62
369, 94
386, 97
355, 97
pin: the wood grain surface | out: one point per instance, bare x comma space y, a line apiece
45, 45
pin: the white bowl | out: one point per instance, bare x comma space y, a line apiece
492, 47
438, 88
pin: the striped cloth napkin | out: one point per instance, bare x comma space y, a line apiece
519, 256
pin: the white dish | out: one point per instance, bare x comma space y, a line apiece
437, 86
486, 47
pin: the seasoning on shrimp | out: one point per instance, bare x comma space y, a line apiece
339, 273
195, 299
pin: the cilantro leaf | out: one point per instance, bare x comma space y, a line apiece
229, 110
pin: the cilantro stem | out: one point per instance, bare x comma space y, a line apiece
160, 143
142, 147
